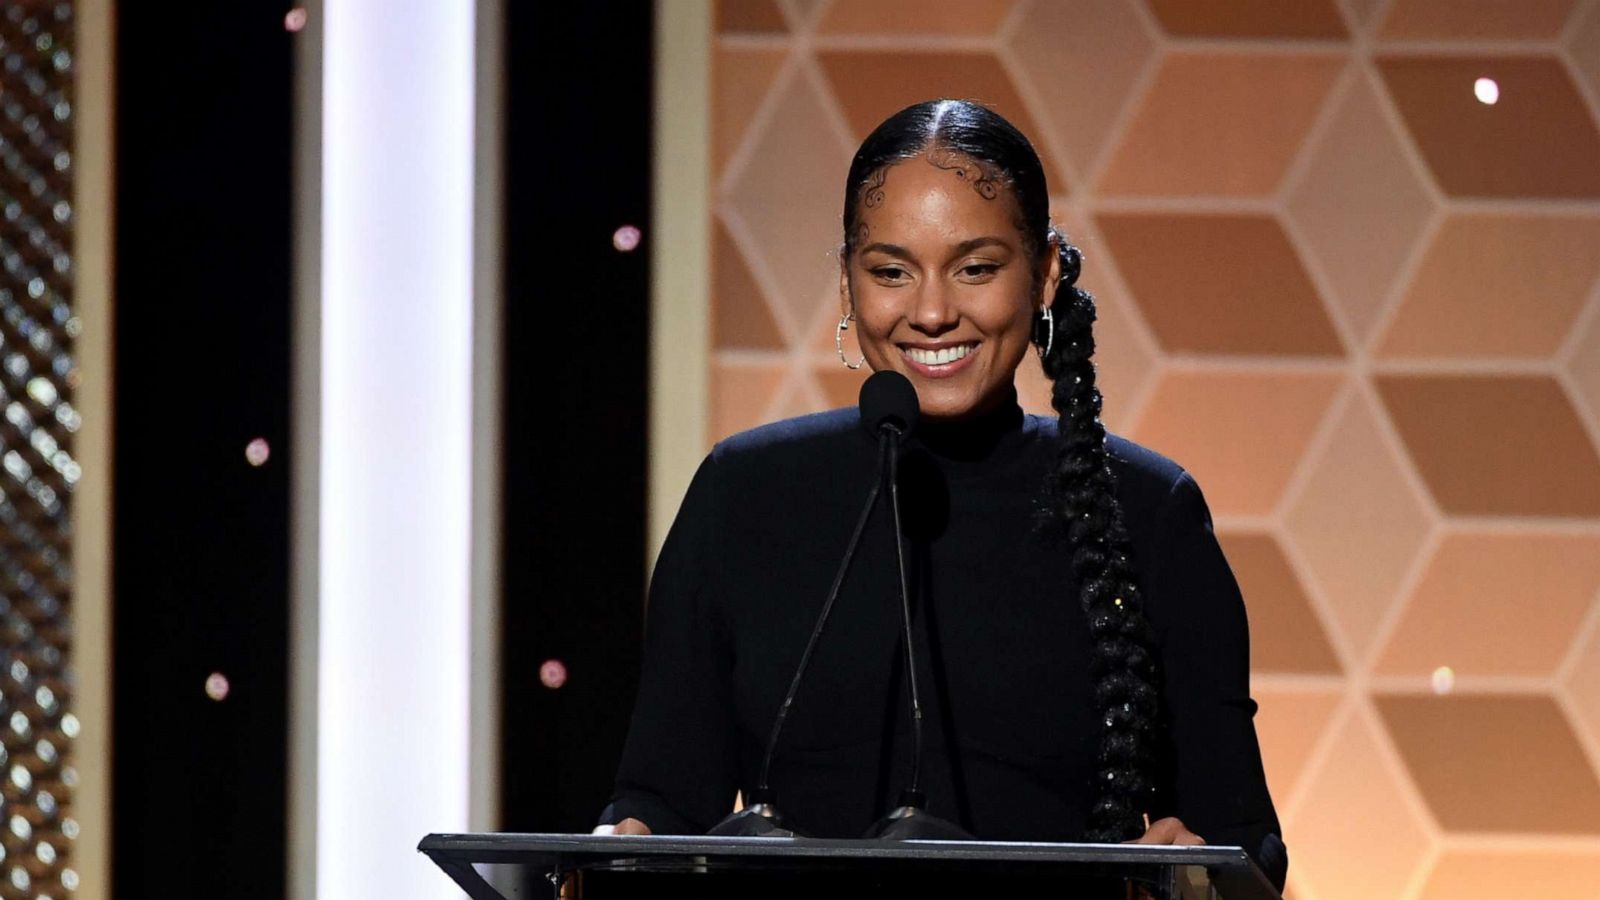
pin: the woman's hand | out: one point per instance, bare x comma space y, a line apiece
626, 826
1170, 830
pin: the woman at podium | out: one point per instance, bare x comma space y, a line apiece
1080, 640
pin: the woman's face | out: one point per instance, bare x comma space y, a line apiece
944, 290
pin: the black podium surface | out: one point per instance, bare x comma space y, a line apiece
598, 866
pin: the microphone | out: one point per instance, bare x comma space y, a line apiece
883, 405
890, 410
888, 401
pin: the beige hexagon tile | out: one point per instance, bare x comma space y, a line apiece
840, 386
1240, 433
872, 85
1495, 763
1359, 205
1538, 140
1497, 286
741, 395
1277, 606
1469, 435
1220, 123
910, 18
1362, 12
790, 223
1188, 274
1082, 59
798, 395
1289, 724
1357, 524
804, 12
1492, 874
1475, 19
1496, 604
1124, 357
1355, 835
742, 76
750, 17
740, 317
1305, 19
1581, 685
1583, 46
1583, 363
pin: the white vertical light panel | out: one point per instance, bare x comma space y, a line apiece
393, 673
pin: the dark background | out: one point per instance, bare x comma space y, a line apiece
201, 553
200, 543
577, 377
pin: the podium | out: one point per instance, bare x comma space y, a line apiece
594, 867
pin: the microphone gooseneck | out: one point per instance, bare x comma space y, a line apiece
891, 474
889, 407
761, 816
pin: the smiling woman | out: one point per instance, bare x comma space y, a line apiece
1083, 635
942, 286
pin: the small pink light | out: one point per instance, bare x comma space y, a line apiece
1487, 91
626, 238
217, 686
295, 19
552, 674
257, 451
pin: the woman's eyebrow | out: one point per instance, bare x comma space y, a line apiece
966, 246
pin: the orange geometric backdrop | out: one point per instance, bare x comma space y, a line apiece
1358, 302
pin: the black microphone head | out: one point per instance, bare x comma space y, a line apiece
889, 401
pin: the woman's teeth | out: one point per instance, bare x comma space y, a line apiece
938, 357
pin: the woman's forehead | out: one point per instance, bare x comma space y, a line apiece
939, 194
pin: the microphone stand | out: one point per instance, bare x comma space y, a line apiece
761, 816
910, 820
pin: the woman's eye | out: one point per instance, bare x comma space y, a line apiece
979, 270
888, 273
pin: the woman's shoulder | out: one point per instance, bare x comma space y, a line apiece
789, 439
1141, 472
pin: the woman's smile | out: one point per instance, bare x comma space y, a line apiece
939, 361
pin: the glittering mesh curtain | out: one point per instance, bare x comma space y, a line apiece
37, 377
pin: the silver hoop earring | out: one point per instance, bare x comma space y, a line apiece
838, 342
1044, 335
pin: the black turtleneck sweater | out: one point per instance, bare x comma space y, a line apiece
1003, 649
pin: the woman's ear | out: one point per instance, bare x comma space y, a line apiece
1052, 270
845, 306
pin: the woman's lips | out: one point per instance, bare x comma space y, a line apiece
942, 362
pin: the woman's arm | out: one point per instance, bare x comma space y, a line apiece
679, 766
1217, 786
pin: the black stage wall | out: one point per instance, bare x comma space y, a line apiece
200, 546
576, 357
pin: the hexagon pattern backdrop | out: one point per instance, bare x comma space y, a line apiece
1358, 302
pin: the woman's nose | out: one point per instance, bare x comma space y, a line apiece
933, 313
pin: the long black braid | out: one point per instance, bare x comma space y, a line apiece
1081, 491
1082, 495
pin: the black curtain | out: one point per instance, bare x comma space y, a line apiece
578, 127
200, 546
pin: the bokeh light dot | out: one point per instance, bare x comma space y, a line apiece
1444, 680
257, 452
553, 674
217, 686
1487, 91
294, 19
626, 239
